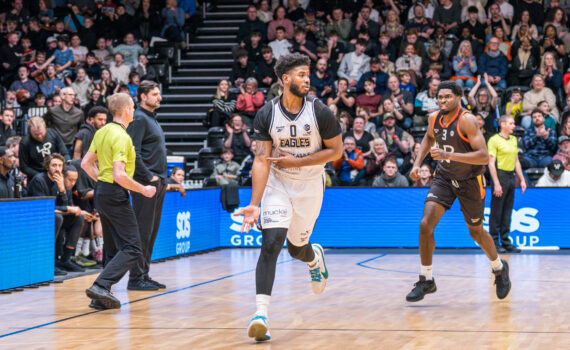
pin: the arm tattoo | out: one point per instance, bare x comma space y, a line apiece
260, 152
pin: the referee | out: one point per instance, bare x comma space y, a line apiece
503, 150
150, 147
111, 162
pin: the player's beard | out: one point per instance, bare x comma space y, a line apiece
294, 89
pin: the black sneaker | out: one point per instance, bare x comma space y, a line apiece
69, 266
141, 284
156, 283
59, 272
421, 288
511, 249
97, 304
103, 296
502, 281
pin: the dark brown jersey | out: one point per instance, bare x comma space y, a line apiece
449, 138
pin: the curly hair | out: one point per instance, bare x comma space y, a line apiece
451, 85
286, 63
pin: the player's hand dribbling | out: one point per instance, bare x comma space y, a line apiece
149, 191
415, 173
250, 217
285, 160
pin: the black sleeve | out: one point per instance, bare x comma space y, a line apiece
25, 160
137, 130
61, 148
329, 126
262, 123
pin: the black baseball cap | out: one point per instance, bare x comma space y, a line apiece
374, 60
556, 167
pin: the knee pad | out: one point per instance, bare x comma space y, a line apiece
303, 253
273, 240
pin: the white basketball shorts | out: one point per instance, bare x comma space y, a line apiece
292, 204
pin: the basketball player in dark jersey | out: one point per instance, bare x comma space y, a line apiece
454, 139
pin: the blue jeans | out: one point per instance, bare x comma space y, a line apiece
468, 83
528, 161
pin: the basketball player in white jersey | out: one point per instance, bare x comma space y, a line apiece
296, 136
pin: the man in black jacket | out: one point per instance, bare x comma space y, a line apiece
96, 119
37, 145
7, 179
150, 169
52, 183
265, 73
252, 23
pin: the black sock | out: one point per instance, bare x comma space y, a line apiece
67, 253
271, 246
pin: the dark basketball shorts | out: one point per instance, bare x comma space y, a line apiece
470, 193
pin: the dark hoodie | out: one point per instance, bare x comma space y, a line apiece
85, 134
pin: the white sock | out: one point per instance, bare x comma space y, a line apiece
497, 265
85, 248
262, 302
78, 246
315, 262
99, 242
426, 271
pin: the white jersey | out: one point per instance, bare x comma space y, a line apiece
300, 135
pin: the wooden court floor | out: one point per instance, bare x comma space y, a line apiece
210, 298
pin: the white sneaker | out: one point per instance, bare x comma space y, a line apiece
258, 328
320, 274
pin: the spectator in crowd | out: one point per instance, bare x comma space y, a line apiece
496, 19
525, 62
25, 88
51, 183
294, 10
102, 54
563, 153
503, 164
120, 70
13, 144
314, 27
145, 71
395, 138
265, 71
505, 43
555, 176
96, 119
12, 102
280, 45
7, 176
448, 16
403, 102
494, 63
363, 20
227, 171
551, 43
464, 65
264, 13
478, 98
411, 38
423, 25
63, 56
362, 137
253, 47
539, 93
236, 138
354, 64
252, 23
65, 119
552, 76
526, 26
392, 25
38, 67
426, 103
514, 105
242, 68
375, 160
370, 99
129, 49
51, 85
149, 20
349, 167
549, 119
321, 79
539, 142
107, 85
173, 20
343, 100
336, 50
390, 176
377, 74
95, 99
79, 51
436, 64
249, 101
223, 104
6, 125
368, 124
38, 144
304, 46
280, 21
82, 87
174, 181
39, 107
10, 57
426, 177
386, 65
389, 47
474, 19
92, 68
405, 78
133, 85
339, 24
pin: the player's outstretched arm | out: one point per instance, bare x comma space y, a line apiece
479, 156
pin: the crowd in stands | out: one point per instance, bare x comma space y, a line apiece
60, 60
378, 63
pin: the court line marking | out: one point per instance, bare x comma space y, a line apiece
135, 301
370, 330
362, 264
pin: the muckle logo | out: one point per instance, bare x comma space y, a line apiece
251, 239
183, 232
524, 222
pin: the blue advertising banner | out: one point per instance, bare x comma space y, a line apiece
188, 224
27, 242
375, 217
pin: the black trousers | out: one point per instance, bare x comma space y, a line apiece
148, 212
72, 225
501, 209
120, 230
